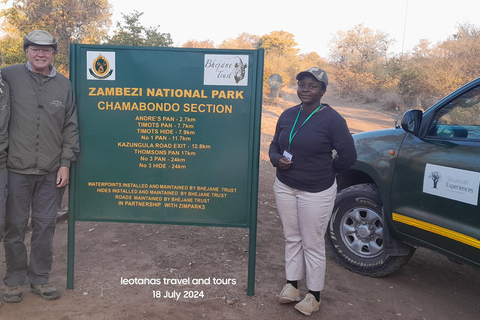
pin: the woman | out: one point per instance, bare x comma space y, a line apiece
305, 185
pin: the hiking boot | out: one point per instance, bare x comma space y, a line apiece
46, 291
13, 294
289, 294
308, 305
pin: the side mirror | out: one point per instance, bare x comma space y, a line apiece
412, 119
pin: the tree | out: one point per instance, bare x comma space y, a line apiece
279, 42
359, 46
243, 41
312, 59
435, 176
362, 64
132, 33
422, 49
460, 54
12, 49
71, 21
280, 55
199, 44
433, 71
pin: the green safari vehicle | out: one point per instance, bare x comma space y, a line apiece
412, 186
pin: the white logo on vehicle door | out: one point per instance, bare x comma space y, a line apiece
451, 183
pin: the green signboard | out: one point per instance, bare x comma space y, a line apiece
167, 135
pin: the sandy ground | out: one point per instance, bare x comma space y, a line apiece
108, 255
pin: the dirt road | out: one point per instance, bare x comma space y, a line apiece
110, 256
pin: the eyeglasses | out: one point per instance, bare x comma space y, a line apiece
42, 50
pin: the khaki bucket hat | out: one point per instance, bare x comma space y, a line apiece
39, 38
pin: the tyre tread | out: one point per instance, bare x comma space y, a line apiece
391, 264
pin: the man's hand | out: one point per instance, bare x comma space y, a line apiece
62, 176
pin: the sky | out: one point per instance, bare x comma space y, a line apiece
312, 22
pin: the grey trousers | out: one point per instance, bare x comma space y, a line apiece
40, 194
3, 199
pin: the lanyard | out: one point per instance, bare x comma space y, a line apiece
292, 134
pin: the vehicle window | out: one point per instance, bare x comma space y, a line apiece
459, 119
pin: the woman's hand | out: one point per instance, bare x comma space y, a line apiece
284, 164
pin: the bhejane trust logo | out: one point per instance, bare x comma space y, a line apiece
100, 65
227, 70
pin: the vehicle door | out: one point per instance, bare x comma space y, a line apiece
435, 191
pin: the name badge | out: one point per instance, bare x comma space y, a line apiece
287, 154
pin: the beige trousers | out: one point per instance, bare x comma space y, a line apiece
305, 217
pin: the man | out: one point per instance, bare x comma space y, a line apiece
43, 141
4, 117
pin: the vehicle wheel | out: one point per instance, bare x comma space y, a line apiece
355, 233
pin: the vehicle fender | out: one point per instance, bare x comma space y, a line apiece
376, 156
377, 152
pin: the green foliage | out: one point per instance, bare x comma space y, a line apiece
132, 33
10, 45
69, 20
411, 85
359, 65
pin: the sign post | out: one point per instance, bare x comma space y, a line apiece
167, 135
274, 82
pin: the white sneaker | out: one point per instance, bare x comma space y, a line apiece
308, 305
289, 294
